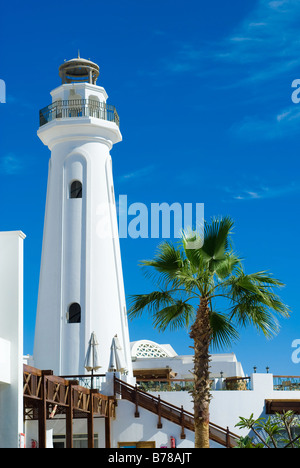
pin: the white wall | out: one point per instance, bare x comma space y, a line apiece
11, 335
228, 406
127, 428
5, 374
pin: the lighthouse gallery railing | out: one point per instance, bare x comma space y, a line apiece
63, 109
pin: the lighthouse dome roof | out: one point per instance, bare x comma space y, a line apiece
79, 70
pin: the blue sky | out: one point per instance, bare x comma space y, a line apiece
203, 90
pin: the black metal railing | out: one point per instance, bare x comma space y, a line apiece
163, 385
64, 109
178, 385
88, 381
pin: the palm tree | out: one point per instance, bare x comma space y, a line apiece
190, 279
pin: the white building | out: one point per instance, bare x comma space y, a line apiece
141, 397
165, 377
11, 339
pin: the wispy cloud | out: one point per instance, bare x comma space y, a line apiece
262, 192
10, 164
260, 50
267, 41
285, 123
139, 174
264, 45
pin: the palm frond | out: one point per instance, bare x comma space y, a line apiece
223, 332
217, 237
150, 302
263, 277
251, 311
254, 301
226, 266
192, 250
175, 316
167, 262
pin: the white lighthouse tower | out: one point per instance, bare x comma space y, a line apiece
81, 287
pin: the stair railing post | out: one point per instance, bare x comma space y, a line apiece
227, 438
136, 414
159, 423
182, 435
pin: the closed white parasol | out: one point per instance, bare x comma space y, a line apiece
117, 360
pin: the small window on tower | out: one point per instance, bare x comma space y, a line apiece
74, 315
76, 189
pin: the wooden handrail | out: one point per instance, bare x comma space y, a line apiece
148, 395
231, 379
164, 380
44, 386
43, 392
286, 376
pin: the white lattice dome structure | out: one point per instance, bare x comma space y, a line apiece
150, 349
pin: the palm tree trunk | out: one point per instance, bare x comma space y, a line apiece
201, 334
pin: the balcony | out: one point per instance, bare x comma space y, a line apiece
64, 109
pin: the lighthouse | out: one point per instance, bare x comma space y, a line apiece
81, 288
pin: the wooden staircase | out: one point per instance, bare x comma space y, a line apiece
172, 413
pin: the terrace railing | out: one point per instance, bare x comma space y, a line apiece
88, 381
160, 385
286, 382
179, 385
64, 109
237, 383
